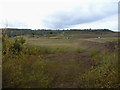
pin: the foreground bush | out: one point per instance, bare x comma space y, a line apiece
103, 76
12, 45
24, 71
20, 69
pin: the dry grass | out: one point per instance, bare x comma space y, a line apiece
50, 62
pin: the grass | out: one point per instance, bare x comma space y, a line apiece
79, 50
73, 43
24, 71
64, 72
103, 76
50, 62
44, 50
105, 39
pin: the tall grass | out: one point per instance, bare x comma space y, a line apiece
24, 69
79, 50
24, 66
103, 76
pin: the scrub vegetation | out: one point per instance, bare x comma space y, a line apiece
69, 60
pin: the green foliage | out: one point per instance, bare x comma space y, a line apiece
79, 50
12, 45
18, 44
93, 52
6, 45
21, 69
51, 32
45, 65
50, 50
21, 40
18, 32
24, 71
103, 76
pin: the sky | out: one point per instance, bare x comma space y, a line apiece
59, 14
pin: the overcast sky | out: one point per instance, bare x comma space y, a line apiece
59, 14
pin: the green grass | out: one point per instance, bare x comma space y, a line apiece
79, 50
50, 62
103, 76
72, 44
24, 71
104, 39
64, 72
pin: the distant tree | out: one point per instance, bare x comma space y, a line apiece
51, 32
33, 34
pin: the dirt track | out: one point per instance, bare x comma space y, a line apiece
70, 64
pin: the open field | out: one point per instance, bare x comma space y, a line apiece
64, 61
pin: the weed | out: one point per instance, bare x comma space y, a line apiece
103, 76
79, 50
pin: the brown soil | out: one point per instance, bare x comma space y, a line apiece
93, 35
66, 73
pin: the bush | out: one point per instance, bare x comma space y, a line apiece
103, 76
79, 50
25, 71
23, 67
6, 45
93, 52
18, 45
12, 45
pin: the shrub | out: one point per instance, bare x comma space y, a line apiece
93, 52
103, 76
18, 45
79, 50
23, 67
12, 45
6, 45
51, 32
25, 71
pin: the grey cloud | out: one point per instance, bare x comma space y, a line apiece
79, 15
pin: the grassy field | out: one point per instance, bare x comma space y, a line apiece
63, 62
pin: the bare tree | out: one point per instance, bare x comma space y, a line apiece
4, 29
